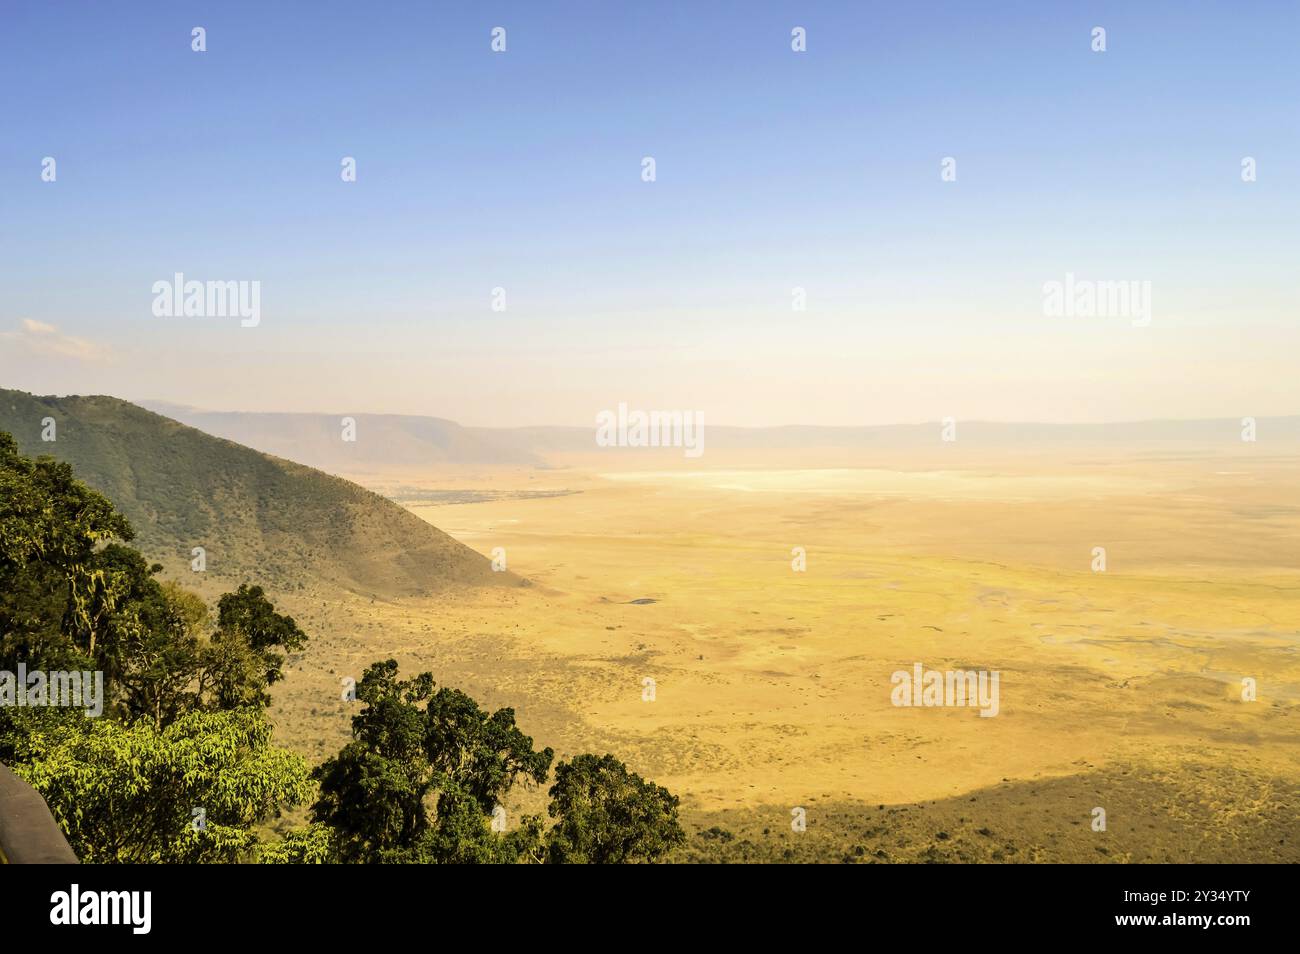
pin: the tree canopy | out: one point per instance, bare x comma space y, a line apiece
412, 747
608, 815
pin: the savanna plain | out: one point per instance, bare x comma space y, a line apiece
1121, 689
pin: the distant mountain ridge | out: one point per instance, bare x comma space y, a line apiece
387, 440
272, 521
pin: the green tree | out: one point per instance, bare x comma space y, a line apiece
478, 754
463, 835
55, 596
242, 661
191, 792
608, 815
161, 657
311, 845
73, 596
412, 745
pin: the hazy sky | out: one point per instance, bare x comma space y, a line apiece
775, 170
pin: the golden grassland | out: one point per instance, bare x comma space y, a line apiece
1119, 689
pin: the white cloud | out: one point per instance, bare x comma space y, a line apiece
40, 338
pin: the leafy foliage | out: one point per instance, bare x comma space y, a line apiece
55, 591
412, 745
312, 845
128, 793
71, 597
242, 661
608, 815
191, 733
426, 769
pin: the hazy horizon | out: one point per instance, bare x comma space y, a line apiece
160, 406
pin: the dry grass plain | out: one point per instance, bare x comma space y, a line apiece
1119, 689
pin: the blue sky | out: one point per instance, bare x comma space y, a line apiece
775, 169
